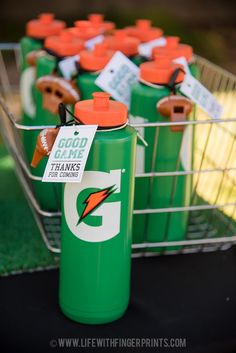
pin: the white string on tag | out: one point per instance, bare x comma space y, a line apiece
141, 138
153, 85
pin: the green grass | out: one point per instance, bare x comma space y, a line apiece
21, 246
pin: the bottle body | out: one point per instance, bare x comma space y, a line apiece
96, 251
194, 69
167, 151
137, 59
28, 45
48, 194
86, 84
27, 87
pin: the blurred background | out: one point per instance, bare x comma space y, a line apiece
209, 26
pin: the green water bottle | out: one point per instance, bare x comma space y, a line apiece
120, 41
162, 155
36, 32
92, 62
52, 89
97, 219
144, 31
174, 49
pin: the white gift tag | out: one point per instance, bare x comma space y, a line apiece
118, 77
194, 90
182, 61
145, 49
89, 44
69, 154
68, 66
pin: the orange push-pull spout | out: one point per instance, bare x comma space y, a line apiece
101, 100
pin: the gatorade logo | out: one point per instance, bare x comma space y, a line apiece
94, 200
93, 207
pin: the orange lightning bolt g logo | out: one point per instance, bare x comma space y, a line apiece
94, 200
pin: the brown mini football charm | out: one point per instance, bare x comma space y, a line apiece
177, 108
44, 145
56, 90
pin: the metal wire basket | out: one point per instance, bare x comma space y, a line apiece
212, 211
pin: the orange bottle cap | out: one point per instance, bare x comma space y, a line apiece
96, 18
44, 26
144, 31
122, 42
172, 42
97, 21
174, 49
101, 111
85, 30
65, 44
97, 58
160, 70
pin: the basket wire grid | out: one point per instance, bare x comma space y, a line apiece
212, 210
